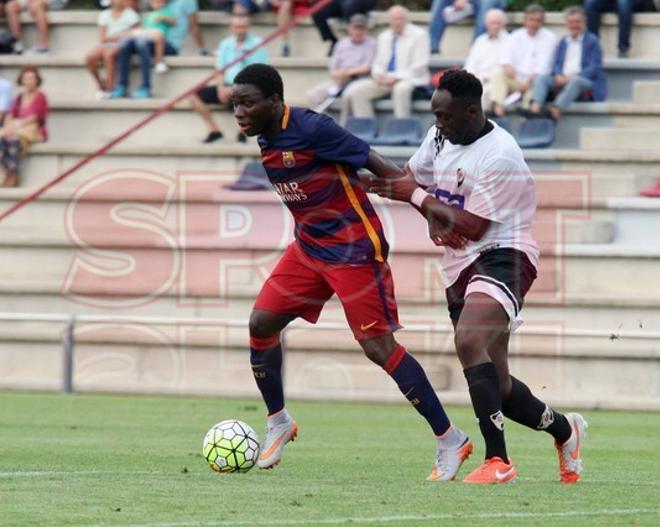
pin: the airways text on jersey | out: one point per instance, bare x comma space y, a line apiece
289, 192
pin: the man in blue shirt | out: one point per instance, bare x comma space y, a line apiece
219, 92
185, 13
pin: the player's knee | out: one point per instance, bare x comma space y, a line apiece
378, 350
469, 347
264, 325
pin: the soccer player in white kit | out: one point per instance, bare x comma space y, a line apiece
469, 179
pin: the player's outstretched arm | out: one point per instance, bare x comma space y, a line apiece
382, 167
442, 218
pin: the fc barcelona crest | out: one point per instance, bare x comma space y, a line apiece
288, 159
460, 177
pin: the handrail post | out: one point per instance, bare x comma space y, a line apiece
68, 345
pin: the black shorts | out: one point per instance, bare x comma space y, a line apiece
504, 274
209, 95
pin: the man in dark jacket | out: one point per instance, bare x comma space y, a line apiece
577, 70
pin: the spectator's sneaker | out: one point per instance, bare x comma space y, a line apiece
286, 50
570, 463
623, 54
281, 428
213, 136
41, 50
102, 95
452, 450
161, 67
118, 92
143, 92
494, 470
18, 47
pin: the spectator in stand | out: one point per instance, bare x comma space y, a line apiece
351, 59
114, 24
38, 10
25, 124
285, 10
401, 64
343, 9
486, 53
577, 68
6, 98
528, 54
185, 15
155, 25
219, 92
439, 23
624, 10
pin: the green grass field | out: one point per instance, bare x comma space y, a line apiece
102, 460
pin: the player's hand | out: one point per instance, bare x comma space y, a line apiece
399, 189
441, 236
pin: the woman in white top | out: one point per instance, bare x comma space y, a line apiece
114, 24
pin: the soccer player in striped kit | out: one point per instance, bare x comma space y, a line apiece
339, 248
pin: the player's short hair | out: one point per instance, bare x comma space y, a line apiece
461, 84
262, 76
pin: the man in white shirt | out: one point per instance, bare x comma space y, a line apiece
486, 53
528, 54
480, 202
401, 64
577, 69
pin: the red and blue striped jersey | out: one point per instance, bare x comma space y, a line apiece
312, 163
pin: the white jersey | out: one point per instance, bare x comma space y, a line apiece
488, 178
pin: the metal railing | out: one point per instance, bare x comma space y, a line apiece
71, 322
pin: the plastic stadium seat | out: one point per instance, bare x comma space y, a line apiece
253, 177
502, 122
363, 127
401, 131
536, 133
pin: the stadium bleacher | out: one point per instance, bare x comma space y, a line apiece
599, 271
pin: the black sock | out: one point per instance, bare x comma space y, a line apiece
484, 388
266, 360
522, 407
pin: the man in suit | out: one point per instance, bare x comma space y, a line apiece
401, 64
577, 68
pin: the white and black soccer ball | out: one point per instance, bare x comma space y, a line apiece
231, 446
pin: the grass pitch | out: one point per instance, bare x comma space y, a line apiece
136, 461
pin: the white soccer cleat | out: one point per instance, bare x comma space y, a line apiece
161, 67
281, 428
570, 463
450, 454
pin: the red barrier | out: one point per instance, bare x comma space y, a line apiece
157, 113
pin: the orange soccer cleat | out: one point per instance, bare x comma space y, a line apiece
493, 470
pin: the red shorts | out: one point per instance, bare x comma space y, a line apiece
300, 285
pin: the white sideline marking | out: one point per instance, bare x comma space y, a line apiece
412, 517
42, 473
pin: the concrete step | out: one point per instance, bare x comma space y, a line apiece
69, 28
636, 221
90, 213
139, 358
592, 174
154, 262
619, 138
65, 76
72, 119
646, 92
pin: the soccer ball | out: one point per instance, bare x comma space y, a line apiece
231, 446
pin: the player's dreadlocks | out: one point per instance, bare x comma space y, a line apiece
461, 85
266, 78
